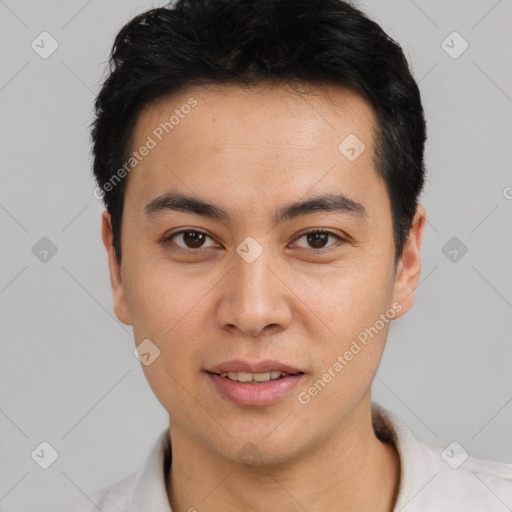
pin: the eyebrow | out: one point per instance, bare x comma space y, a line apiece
329, 202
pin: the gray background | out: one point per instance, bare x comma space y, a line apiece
67, 372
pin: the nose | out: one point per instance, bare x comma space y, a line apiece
255, 299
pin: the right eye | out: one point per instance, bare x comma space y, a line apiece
192, 239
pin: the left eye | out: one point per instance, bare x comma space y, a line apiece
317, 239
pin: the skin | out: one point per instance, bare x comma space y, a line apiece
252, 150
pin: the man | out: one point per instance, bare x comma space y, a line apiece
261, 164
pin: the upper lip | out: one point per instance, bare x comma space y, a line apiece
238, 365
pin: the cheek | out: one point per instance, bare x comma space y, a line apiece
160, 297
351, 332
345, 300
168, 307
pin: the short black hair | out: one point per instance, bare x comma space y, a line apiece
166, 50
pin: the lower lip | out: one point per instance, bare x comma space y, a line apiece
261, 394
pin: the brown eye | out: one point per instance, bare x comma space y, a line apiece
190, 239
318, 239
193, 239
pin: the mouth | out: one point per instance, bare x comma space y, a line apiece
254, 384
255, 378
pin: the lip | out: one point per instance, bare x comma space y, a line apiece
261, 394
238, 365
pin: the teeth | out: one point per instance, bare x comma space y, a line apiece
260, 377
244, 377
254, 377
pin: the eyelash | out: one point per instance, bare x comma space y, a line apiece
169, 239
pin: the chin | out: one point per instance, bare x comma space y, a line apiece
258, 450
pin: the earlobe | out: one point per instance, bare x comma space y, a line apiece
409, 266
121, 309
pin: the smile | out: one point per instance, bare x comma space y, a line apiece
255, 378
255, 389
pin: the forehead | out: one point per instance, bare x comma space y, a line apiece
257, 143
257, 114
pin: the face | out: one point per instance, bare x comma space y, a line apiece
222, 275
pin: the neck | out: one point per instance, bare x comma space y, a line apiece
352, 470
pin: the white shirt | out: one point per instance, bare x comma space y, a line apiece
432, 479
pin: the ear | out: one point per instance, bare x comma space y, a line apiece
121, 309
409, 266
